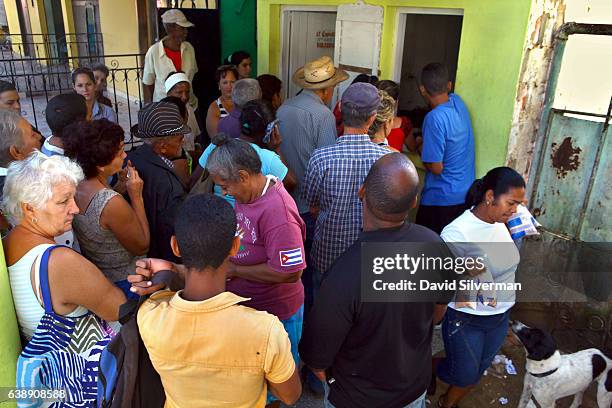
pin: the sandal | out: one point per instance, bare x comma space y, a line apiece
433, 384
442, 406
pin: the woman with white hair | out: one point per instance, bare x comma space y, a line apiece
62, 300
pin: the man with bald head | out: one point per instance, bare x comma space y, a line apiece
374, 354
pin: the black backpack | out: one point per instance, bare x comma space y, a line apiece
126, 377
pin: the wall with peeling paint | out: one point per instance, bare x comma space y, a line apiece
545, 19
584, 83
490, 55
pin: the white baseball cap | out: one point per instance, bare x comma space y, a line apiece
175, 16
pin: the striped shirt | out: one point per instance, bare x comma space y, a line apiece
222, 111
306, 124
334, 176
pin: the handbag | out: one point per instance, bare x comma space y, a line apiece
203, 185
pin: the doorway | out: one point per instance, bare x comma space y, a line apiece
424, 36
308, 33
57, 41
23, 15
205, 39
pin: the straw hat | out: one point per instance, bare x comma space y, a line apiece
319, 74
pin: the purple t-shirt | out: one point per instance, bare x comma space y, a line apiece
272, 233
230, 125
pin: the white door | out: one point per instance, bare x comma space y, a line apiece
358, 38
308, 36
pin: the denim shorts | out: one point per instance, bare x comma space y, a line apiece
471, 343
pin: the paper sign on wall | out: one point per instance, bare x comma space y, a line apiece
326, 39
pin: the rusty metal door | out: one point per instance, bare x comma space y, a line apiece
573, 187
570, 194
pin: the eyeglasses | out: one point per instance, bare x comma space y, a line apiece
227, 67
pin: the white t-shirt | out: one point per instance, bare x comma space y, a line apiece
492, 242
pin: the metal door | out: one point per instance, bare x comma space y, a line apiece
308, 36
571, 191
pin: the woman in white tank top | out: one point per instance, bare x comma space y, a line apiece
77, 285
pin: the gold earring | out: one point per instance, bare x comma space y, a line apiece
488, 202
34, 220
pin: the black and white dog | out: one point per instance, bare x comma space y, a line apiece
551, 375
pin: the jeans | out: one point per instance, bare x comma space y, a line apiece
293, 327
417, 403
471, 343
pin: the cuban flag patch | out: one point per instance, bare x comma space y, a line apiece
291, 257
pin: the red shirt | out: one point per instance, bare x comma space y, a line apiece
397, 136
338, 116
272, 233
175, 57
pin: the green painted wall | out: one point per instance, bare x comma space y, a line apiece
10, 344
238, 31
490, 55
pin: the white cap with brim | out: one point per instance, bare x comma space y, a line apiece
175, 79
175, 16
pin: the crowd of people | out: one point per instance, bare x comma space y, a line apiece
263, 230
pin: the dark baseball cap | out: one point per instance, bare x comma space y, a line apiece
64, 109
161, 119
361, 96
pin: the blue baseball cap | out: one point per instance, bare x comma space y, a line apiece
362, 97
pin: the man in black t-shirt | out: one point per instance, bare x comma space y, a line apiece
374, 354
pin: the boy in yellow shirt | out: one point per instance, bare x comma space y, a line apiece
209, 350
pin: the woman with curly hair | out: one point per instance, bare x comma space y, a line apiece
401, 131
112, 233
380, 129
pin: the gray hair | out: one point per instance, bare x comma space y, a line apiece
32, 181
354, 117
152, 141
245, 90
10, 134
230, 156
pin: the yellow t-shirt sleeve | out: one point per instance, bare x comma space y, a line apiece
279, 364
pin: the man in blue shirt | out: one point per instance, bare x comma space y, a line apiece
447, 152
